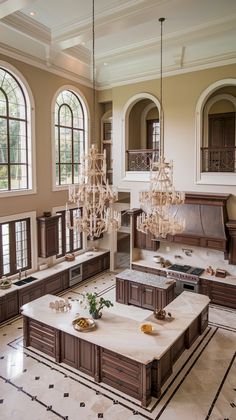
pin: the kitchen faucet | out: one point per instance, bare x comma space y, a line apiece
19, 274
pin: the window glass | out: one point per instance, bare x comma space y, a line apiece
70, 240
14, 142
69, 137
15, 252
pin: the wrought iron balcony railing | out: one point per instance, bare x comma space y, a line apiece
139, 160
218, 159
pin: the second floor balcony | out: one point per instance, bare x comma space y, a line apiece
218, 159
139, 159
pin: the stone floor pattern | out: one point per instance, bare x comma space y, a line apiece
202, 386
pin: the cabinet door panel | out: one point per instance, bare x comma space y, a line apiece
69, 350
53, 284
121, 291
148, 297
11, 305
86, 357
135, 293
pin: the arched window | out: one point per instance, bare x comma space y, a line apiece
216, 134
15, 134
69, 136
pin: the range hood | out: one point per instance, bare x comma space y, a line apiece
205, 217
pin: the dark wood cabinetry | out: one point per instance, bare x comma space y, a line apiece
56, 283
219, 293
143, 295
78, 353
41, 336
9, 306
123, 374
140, 239
96, 265
48, 236
31, 292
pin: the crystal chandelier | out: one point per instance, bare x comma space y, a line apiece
158, 218
93, 195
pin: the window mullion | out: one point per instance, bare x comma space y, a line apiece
12, 242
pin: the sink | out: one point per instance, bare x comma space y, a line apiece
25, 281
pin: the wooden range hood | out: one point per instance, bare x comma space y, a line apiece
205, 217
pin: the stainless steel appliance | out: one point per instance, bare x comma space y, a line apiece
75, 275
186, 277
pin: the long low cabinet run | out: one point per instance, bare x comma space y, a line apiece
219, 293
141, 379
11, 302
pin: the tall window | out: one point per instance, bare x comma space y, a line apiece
69, 137
69, 240
15, 156
153, 134
15, 251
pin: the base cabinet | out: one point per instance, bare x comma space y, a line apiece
143, 295
29, 293
77, 353
219, 293
96, 265
9, 306
56, 283
157, 271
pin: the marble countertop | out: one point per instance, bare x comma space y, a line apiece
122, 334
152, 264
145, 278
57, 268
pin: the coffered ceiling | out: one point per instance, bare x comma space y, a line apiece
57, 34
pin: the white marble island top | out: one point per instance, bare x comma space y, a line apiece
121, 334
146, 278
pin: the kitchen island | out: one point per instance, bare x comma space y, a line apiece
146, 290
117, 352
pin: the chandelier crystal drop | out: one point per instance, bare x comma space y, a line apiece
159, 218
93, 195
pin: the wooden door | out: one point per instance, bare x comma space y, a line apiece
221, 142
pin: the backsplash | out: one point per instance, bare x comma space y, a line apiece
190, 255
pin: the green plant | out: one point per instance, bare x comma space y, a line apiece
95, 304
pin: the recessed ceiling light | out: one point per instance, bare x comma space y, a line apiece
83, 43
32, 13
105, 64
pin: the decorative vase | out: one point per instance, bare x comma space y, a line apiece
96, 315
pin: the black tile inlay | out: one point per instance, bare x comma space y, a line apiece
51, 386
115, 402
135, 413
66, 418
19, 328
37, 378
25, 370
20, 388
66, 395
49, 407
82, 404
33, 397
4, 334
97, 392
2, 357
100, 415
1, 401
232, 404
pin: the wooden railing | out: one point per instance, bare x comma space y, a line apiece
218, 159
139, 160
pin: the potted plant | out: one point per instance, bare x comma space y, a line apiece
95, 304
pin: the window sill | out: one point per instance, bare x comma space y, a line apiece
16, 193
216, 178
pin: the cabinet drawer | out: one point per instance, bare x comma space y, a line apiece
120, 383
41, 327
42, 335
42, 346
120, 362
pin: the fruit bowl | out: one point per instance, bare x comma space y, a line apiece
84, 324
146, 328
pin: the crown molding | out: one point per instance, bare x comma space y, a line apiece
80, 53
25, 25
44, 65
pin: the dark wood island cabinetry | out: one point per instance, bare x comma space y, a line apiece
144, 289
130, 361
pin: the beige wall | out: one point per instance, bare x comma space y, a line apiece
180, 96
43, 85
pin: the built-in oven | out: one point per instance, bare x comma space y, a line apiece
75, 275
183, 285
